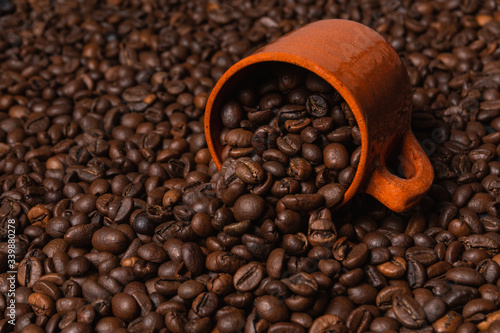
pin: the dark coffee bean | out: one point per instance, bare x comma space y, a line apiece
124, 307
328, 323
205, 304
408, 312
465, 276
232, 114
356, 256
384, 324
275, 264
317, 106
110, 240
299, 168
302, 284
249, 207
264, 138
292, 112
248, 277
317, 84
335, 156
272, 309
416, 274
434, 309
333, 194
423, 255
303, 202
361, 318
289, 144
29, 271
193, 257
249, 172
362, 294
321, 232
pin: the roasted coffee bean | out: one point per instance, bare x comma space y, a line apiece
303, 202
42, 304
333, 194
361, 318
451, 321
434, 309
193, 257
362, 294
302, 284
292, 112
248, 277
465, 276
264, 139
29, 271
272, 309
275, 264
124, 307
408, 312
249, 207
317, 106
335, 156
249, 172
205, 304
110, 240
328, 323
232, 114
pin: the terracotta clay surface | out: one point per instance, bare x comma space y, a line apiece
369, 75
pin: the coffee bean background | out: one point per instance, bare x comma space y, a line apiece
124, 223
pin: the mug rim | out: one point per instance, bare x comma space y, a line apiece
311, 66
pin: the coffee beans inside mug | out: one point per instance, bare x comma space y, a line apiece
288, 124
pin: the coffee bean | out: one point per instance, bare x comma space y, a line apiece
408, 312
124, 307
362, 294
326, 323
303, 202
317, 106
29, 272
275, 264
465, 276
249, 172
452, 320
42, 304
302, 284
205, 304
333, 194
272, 309
110, 240
248, 277
193, 257
264, 139
321, 232
335, 156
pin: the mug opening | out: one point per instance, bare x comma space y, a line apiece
232, 79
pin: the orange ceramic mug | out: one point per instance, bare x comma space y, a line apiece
371, 78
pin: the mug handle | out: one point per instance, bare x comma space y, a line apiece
399, 194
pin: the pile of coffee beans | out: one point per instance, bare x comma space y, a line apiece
122, 222
290, 132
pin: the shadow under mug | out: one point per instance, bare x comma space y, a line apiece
367, 72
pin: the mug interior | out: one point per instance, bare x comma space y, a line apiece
239, 74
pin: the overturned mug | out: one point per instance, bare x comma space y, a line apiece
367, 72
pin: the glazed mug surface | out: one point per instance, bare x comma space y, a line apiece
367, 72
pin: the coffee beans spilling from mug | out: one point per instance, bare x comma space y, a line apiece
122, 223
290, 133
